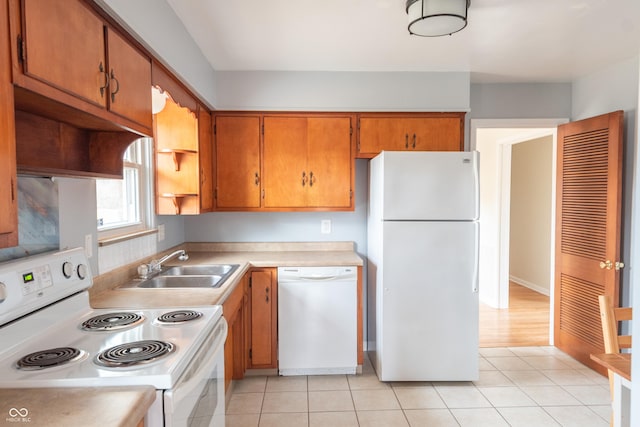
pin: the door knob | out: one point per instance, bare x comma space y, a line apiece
606, 264
618, 265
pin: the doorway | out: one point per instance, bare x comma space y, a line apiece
511, 300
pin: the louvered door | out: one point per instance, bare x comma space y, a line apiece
588, 209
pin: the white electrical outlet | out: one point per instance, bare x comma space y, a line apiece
160, 232
88, 245
325, 226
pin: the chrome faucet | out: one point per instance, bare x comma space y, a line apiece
154, 267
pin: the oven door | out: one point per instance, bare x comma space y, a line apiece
198, 397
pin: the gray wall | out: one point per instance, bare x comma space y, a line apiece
342, 91
286, 226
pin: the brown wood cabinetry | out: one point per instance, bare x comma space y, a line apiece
263, 301
8, 189
236, 310
284, 161
238, 166
308, 162
184, 155
68, 53
409, 132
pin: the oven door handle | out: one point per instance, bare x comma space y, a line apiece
191, 379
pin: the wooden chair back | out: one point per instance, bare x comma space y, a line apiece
613, 342
611, 316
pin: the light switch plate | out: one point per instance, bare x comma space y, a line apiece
88, 245
325, 226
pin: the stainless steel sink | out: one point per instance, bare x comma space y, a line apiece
212, 281
188, 276
200, 270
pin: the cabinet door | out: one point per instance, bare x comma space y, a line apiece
205, 154
263, 290
234, 347
8, 190
329, 162
129, 81
382, 133
434, 134
238, 162
286, 177
65, 48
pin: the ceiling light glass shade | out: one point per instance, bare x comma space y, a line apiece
158, 99
433, 18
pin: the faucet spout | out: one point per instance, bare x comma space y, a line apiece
145, 270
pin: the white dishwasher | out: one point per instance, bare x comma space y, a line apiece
317, 320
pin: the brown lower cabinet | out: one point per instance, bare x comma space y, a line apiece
251, 313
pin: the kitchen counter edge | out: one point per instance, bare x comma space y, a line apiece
109, 295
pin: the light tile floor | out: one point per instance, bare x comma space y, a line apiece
519, 387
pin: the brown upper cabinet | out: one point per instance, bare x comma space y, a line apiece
409, 132
182, 130
8, 189
183, 160
238, 165
284, 161
308, 162
71, 56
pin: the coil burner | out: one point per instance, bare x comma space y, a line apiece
134, 353
49, 358
179, 316
112, 321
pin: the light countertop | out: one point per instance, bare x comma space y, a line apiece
246, 255
76, 406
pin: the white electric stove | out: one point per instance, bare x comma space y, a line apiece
51, 337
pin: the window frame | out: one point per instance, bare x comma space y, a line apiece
145, 195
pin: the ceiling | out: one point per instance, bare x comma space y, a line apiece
505, 40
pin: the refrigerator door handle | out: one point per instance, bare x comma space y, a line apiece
476, 263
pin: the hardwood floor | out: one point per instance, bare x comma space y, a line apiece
524, 323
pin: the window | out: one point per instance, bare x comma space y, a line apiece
124, 205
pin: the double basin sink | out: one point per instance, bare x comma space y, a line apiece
188, 276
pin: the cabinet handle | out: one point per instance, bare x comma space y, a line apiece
312, 179
257, 179
406, 140
304, 178
266, 294
414, 140
106, 79
113, 92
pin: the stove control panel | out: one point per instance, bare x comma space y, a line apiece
30, 283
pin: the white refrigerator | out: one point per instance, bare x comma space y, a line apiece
423, 266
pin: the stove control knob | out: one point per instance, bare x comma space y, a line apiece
82, 271
67, 269
3, 292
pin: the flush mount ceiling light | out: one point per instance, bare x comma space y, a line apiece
433, 18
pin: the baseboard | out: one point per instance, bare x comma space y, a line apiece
539, 289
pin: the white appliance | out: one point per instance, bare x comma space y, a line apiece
317, 320
51, 337
423, 266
